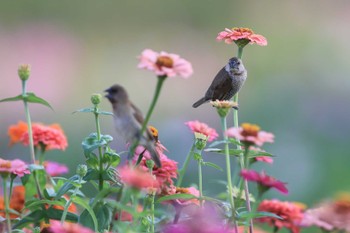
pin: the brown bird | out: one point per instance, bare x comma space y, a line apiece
128, 121
226, 83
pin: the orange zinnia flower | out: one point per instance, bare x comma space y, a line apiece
16, 132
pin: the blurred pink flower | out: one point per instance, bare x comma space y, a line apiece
291, 213
55, 169
51, 136
164, 63
164, 174
57, 227
265, 159
235, 34
181, 202
17, 167
241, 230
137, 178
199, 127
263, 180
250, 134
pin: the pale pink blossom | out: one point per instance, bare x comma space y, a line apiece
265, 159
291, 214
16, 167
137, 178
264, 180
235, 34
55, 169
164, 63
250, 134
199, 127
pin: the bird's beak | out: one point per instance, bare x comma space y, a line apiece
108, 95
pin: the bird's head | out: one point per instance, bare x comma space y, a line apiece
236, 66
116, 94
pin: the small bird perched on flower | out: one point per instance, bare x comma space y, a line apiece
226, 83
128, 121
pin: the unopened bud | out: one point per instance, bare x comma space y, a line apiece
24, 71
81, 170
150, 164
201, 140
96, 99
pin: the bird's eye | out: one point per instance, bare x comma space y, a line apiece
238, 63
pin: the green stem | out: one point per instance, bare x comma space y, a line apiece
29, 122
228, 171
240, 52
200, 182
98, 130
183, 170
7, 205
65, 211
152, 211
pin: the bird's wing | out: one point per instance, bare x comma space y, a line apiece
221, 85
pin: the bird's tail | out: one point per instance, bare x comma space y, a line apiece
154, 154
199, 102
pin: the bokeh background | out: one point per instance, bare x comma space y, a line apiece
298, 86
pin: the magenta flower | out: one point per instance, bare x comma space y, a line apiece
55, 169
264, 181
250, 134
57, 227
137, 178
199, 127
164, 63
236, 34
16, 167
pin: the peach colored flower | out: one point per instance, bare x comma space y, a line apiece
55, 169
164, 63
241, 230
57, 227
236, 34
17, 167
330, 214
250, 134
291, 213
179, 190
137, 178
52, 137
15, 132
164, 174
264, 181
265, 159
16, 201
199, 127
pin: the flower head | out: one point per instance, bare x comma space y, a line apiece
51, 137
223, 104
290, 213
15, 132
164, 63
24, 71
55, 169
16, 202
179, 190
57, 227
264, 181
199, 127
250, 134
241, 36
137, 178
16, 167
264, 159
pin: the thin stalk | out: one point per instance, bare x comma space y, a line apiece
65, 211
240, 52
200, 183
7, 205
98, 130
152, 211
183, 170
228, 171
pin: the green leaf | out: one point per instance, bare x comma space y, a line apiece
33, 217
37, 203
92, 174
84, 110
15, 98
92, 162
34, 167
216, 143
253, 153
184, 196
32, 98
213, 165
91, 143
56, 214
251, 215
87, 207
69, 184
111, 174
103, 215
234, 152
105, 113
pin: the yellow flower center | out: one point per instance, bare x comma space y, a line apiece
5, 164
182, 190
243, 30
154, 132
165, 61
250, 130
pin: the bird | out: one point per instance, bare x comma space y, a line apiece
226, 83
128, 121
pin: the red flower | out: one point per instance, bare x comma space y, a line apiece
199, 127
16, 202
137, 178
264, 181
236, 34
291, 213
16, 167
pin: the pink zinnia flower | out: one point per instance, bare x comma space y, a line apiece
236, 34
17, 167
199, 127
250, 134
55, 169
264, 181
52, 137
137, 178
164, 174
291, 213
164, 63
57, 227
171, 190
264, 159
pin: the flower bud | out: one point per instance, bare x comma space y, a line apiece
96, 99
81, 170
24, 72
201, 141
150, 164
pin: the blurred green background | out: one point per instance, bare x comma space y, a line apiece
298, 86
